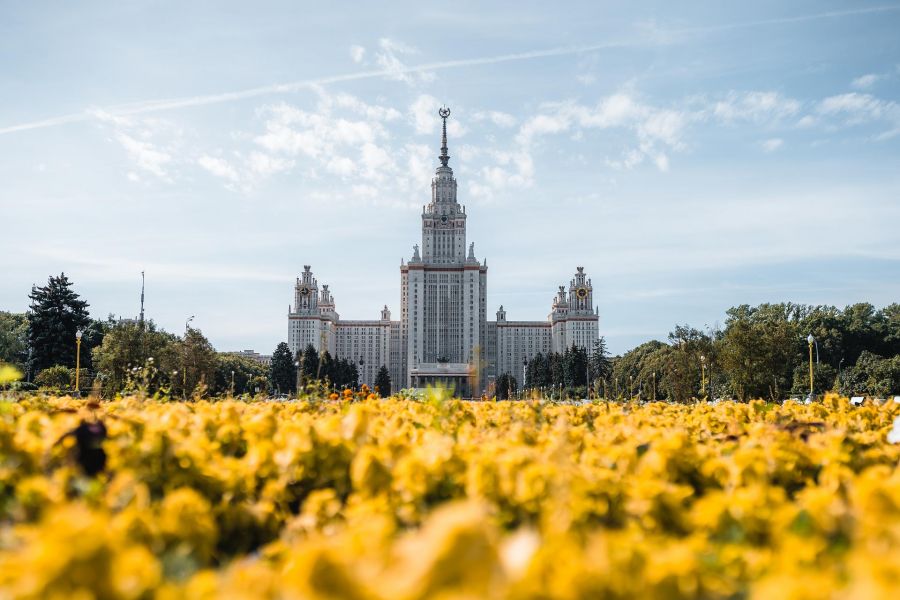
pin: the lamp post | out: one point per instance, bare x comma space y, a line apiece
78, 335
297, 370
654, 386
524, 374
232, 383
810, 339
840, 374
187, 327
702, 375
630, 387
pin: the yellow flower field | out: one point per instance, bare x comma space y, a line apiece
444, 499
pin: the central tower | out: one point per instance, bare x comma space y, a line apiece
443, 293
443, 219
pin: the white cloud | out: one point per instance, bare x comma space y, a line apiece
758, 107
423, 112
147, 156
341, 165
854, 105
357, 53
265, 165
219, 167
662, 162
500, 119
772, 144
388, 60
864, 82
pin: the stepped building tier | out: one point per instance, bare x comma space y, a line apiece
443, 335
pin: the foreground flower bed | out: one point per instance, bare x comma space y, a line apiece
443, 499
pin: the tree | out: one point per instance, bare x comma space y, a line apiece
383, 382
55, 315
282, 373
576, 365
505, 386
309, 364
760, 348
630, 367
331, 370
132, 356
249, 375
13, 339
599, 361
198, 364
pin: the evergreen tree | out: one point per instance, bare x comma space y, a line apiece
383, 382
353, 375
56, 314
575, 361
282, 373
309, 364
329, 368
556, 370
600, 363
505, 386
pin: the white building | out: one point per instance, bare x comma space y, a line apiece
443, 335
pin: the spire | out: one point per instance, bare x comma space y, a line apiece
444, 112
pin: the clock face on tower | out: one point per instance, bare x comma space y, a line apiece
444, 219
304, 291
581, 293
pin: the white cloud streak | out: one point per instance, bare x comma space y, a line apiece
393, 70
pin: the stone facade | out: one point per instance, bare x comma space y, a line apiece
443, 335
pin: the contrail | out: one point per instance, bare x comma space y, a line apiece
174, 103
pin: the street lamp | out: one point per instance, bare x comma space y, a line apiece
702, 375
187, 324
232, 382
630, 387
524, 373
810, 339
654, 386
297, 370
78, 335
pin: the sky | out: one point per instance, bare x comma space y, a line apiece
691, 156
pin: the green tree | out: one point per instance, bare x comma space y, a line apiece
760, 349
383, 382
330, 370
629, 368
576, 364
14, 339
890, 329
599, 361
505, 386
282, 372
197, 360
309, 364
248, 374
132, 356
872, 375
56, 313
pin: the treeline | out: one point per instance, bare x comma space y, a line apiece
116, 355
311, 367
124, 355
575, 372
763, 352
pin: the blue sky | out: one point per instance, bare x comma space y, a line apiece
691, 156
